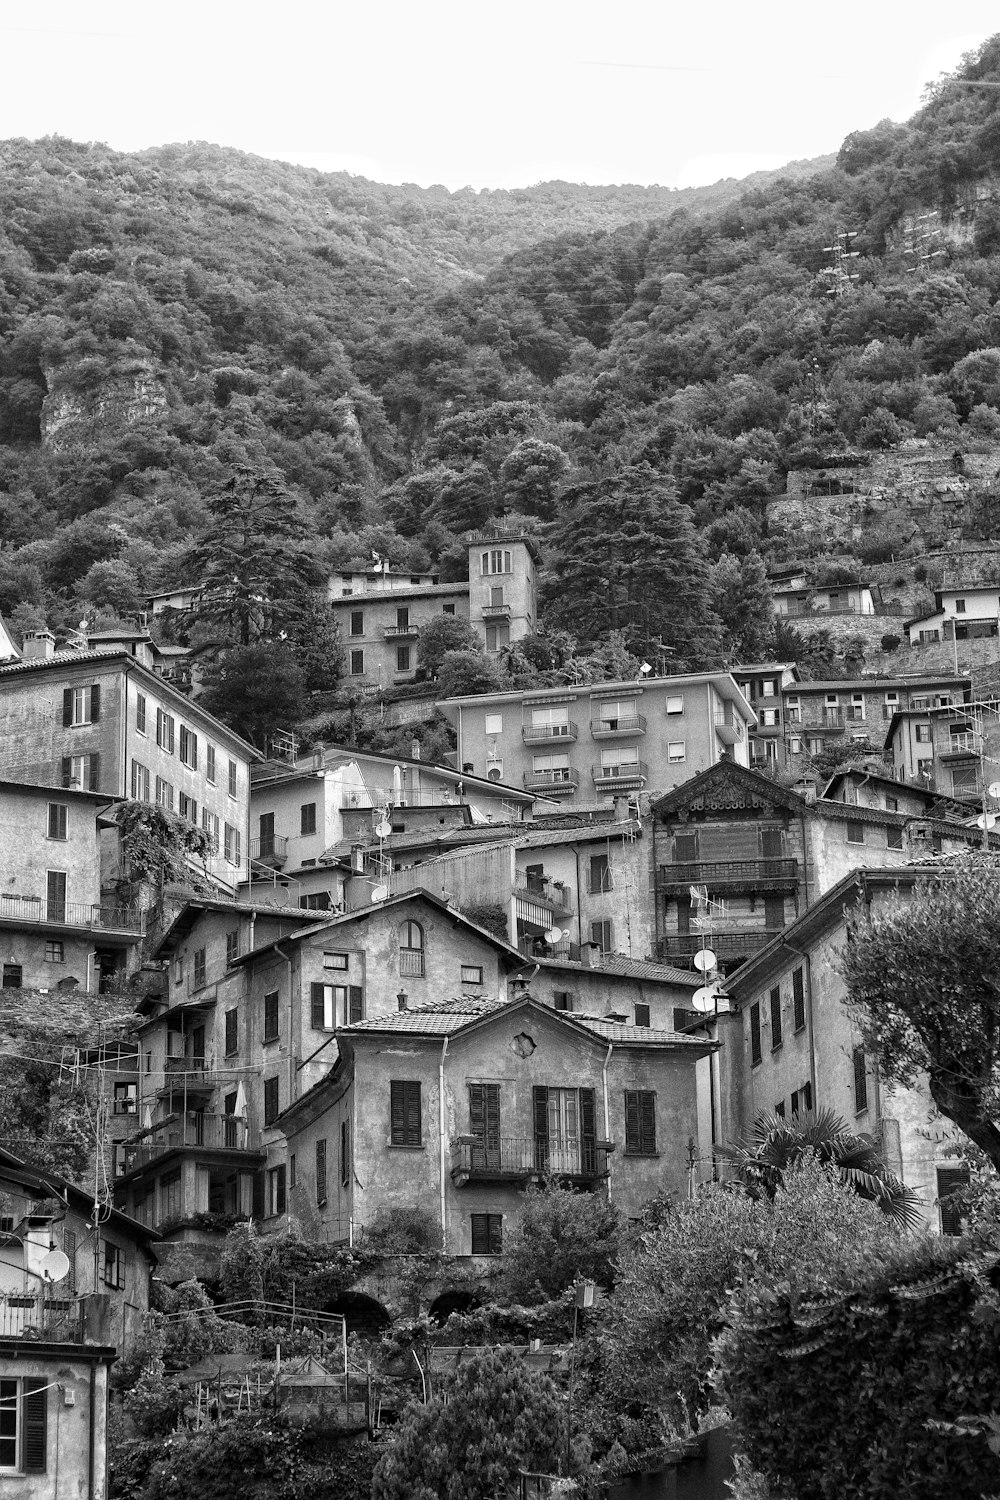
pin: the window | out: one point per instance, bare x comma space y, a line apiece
793, 710
271, 1016
140, 782
231, 845
411, 949
113, 1268
857, 705
178, 970
472, 974
922, 734
187, 807
855, 833
600, 873
675, 703
798, 1000
357, 663
960, 606
801, 1102
950, 1180
199, 968
336, 961
770, 718
57, 820
210, 823
55, 895
270, 1100
165, 794
291, 1171
357, 622
894, 838
345, 1153
232, 947
12, 974
210, 764
551, 720
448, 609
333, 1004
775, 1005
494, 562
126, 1098
621, 760
892, 804
755, 1052
81, 771
675, 751
487, 1234
795, 745
165, 731
553, 767
81, 705
189, 747
275, 1191
232, 1032
860, 1080
779, 1110
232, 778
602, 933
140, 712
321, 1172
642, 1015
170, 1194
493, 724
23, 1423
307, 818
563, 1000
402, 658
497, 637
404, 1112
54, 951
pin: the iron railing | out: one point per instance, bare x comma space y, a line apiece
726, 871
194, 1129
515, 1157
71, 913
536, 734
564, 779
545, 891
625, 771
603, 729
41, 1315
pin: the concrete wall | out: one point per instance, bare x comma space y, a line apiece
73, 1422
34, 740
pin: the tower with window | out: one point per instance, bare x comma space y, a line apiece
502, 590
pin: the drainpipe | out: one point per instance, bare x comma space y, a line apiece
807, 962
579, 893
442, 1124
607, 1108
93, 1433
291, 1050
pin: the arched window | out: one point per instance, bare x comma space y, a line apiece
411, 948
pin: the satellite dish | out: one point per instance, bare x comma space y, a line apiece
382, 830
380, 893
994, 790
704, 960
54, 1266
706, 998
553, 934
986, 821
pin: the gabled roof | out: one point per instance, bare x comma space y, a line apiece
38, 1184
521, 835
194, 906
728, 773
618, 966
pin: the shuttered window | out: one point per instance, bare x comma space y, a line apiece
232, 1032
271, 1016
23, 1424
487, 1234
345, 1153
640, 1122
860, 1080
321, 1172
755, 1053
775, 1006
404, 1112
798, 1000
565, 1130
270, 1100
484, 1124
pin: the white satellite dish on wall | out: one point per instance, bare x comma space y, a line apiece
54, 1266
553, 934
986, 821
382, 830
704, 960
707, 998
994, 790
380, 893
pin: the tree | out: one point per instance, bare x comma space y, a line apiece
254, 562
558, 1235
627, 557
744, 603
255, 689
500, 1417
776, 1145
530, 476
922, 982
445, 633
466, 672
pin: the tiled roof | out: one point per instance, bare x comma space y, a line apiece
628, 968
61, 659
491, 833
443, 1017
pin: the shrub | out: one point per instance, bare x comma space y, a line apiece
558, 1235
891, 642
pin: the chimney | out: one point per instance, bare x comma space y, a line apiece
621, 809
401, 999
39, 645
590, 955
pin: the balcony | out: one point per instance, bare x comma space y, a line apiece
627, 776
271, 849
728, 945
411, 963
496, 611
543, 892
522, 1159
559, 783
613, 729
729, 728
963, 744
544, 734
194, 1130
39, 1315
69, 915
730, 875
401, 632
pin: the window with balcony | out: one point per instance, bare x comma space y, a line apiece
24, 1424
271, 1016
617, 714
81, 705
487, 1234
411, 949
57, 817
565, 1122
620, 760
55, 895
640, 1122
404, 1112
551, 720
552, 767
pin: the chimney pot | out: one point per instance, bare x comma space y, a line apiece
590, 953
401, 999
39, 645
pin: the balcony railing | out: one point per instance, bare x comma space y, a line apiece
559, 783
520, 1158
609, 729
270, 849
411, 963
536, 945
496, 611
630, 773
728, 872
70, 913
726, 945
195, 1130
961, 744
544, 891
400, 632
38, 1314
538, 734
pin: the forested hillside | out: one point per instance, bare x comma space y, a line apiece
631, 370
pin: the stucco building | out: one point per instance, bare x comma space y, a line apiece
862, 708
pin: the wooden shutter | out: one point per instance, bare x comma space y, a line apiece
317, 993
321, 1171
67, 707
631, 1120
775, 1004
798, 1000
647, 1121
404, 1112
345, 1153
860, 1080
540, 1104
755, 1032
34, 1420
588, 1131
279, 1195
93, 772
357, 1005
95, 704
67, 770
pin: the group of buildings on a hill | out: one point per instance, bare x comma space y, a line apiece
376, 983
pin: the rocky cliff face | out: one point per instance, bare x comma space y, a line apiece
118, 399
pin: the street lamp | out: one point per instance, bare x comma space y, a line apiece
584, 1298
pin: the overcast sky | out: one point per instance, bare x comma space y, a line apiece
491, 95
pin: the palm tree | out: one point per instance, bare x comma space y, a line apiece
776, 1144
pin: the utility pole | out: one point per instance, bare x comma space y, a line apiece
839, 274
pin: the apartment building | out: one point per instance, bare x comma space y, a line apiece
862, 708
381, 613
791, 1045
100, 721
593, 743
953, 750
764, 685
454, 1107
961, 613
